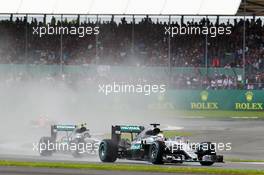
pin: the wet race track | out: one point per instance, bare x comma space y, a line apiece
246, 144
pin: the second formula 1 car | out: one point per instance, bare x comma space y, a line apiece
72, 139
151, 145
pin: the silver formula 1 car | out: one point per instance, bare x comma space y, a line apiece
72, 139
151, 145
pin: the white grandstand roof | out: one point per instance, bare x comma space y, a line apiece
121, 7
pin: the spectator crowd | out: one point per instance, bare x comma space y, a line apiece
142, 44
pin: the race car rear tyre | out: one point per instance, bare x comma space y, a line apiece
206, 163
206, 148
45, 146
108, 151
77, 153
156, 152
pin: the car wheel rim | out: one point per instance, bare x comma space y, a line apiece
153, 152
102, 151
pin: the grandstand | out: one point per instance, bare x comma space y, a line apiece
137, 42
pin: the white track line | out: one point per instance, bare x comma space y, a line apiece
245, 117
250, 163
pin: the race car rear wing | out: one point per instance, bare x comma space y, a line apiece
117, 130
56, 128
64, 127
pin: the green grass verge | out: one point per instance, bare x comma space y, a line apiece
243, 160
173, 133
216, 114
127, 167
227, 113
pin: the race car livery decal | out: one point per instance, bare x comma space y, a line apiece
65, 127
130, 129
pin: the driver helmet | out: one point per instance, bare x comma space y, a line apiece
160, 135
156, 131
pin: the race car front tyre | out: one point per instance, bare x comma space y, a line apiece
156, 152
206, 163
45, 148
206, 148
108, 151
